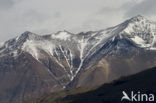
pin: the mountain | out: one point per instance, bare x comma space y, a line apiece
107, 93
32, 65
119, 51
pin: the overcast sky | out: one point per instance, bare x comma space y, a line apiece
50, 16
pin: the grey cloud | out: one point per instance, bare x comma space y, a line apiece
5, 4
107, 16
57, 14
49, 16
107, 9
146, 7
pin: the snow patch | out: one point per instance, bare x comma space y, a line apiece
32, 47
138, 40
1, 44
61, 35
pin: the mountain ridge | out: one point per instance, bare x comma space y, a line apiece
85, 44
31, 43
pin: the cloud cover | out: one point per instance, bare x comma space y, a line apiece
50, 16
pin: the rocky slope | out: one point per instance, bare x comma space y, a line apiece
32, 65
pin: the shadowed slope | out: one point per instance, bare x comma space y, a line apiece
144, 82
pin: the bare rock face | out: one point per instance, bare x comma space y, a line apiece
24, 78
32, 65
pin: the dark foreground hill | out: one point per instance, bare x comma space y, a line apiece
143, 82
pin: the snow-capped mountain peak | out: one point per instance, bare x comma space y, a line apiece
140, 30
137, 18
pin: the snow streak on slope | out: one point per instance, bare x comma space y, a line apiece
89, 46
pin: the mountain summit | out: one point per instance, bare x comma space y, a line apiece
42, 64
